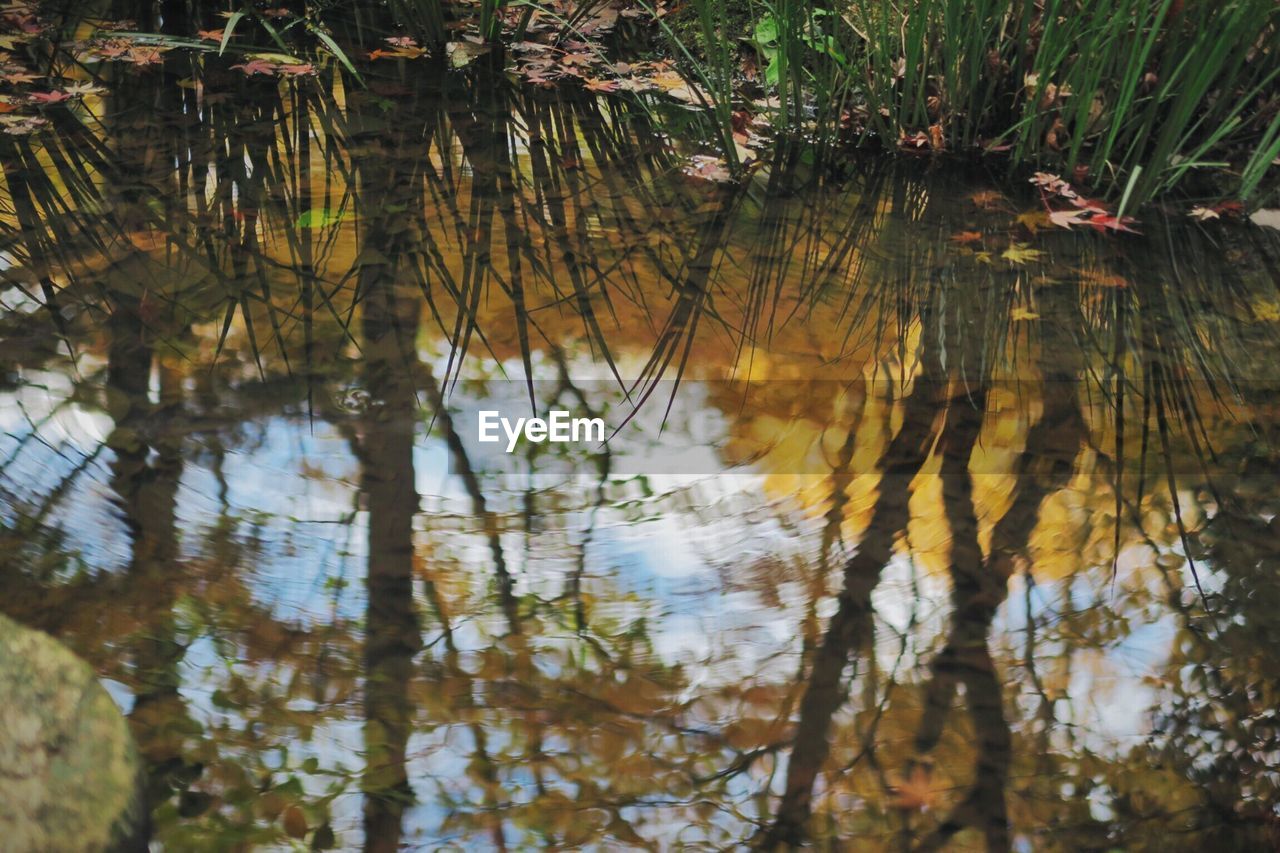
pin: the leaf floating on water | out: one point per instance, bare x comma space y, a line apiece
964, 238
1108, 222
1023, 314
16, 125
143, 56
708, 168
1034, 220
1021, 253
1053, 184
1088, 212
49, 97
463, 53
1100, 278
1065, 218
399, 47
256, 66
276, 65
19, 77
988, 199
1267, 217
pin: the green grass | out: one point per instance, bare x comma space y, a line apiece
1136, 94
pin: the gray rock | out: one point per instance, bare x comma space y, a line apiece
70, 776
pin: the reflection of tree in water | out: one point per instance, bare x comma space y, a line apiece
306, 245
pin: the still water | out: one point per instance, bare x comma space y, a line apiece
921, 525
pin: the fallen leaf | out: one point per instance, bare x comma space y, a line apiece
667, 80
24, 21
257, 66
1065, 218
1021, 253
143, 56
1023, 314
82, 89
49, 97
17, 125
210, 35
19, 76
1267, 217
463, 53
964, 238
399, 52
987, 199
1051, 183
635, 84
916, 140
708, 168
112, 49
1102, 279
937, 141
1107, 222
1034, 220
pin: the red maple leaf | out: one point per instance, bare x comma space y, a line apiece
49, 97
257, 66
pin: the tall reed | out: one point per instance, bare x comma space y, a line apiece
1136, 93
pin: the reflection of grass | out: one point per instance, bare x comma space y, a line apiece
289, 175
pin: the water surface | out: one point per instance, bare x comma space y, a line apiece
925, 524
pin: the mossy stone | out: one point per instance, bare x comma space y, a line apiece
70, 775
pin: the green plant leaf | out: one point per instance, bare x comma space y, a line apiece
766, 31
228, 30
